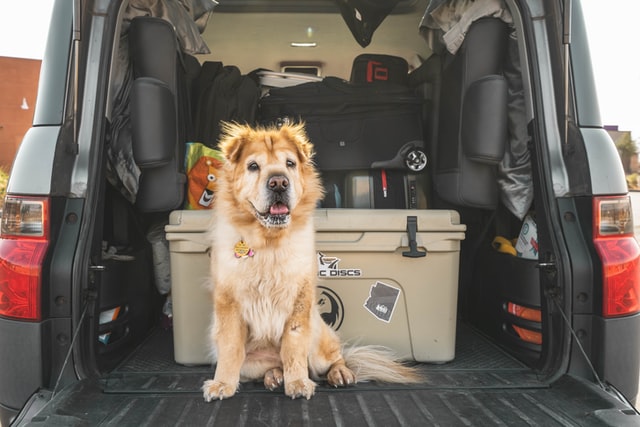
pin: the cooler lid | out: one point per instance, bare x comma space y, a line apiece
188, 221
386, 220
192, 221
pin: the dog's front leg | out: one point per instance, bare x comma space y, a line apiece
230, 335
296, 342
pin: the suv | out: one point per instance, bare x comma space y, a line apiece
545, 279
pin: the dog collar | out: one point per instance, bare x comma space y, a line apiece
242, 250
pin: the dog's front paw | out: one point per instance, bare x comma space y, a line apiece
300, 388
339, 375
213, 390
273, 378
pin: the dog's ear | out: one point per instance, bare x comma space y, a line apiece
231, 140
299, 135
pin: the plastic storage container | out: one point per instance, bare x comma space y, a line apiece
386, 277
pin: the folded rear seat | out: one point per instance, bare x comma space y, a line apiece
472, 124
160, 112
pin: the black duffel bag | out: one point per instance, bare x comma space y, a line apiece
353, 126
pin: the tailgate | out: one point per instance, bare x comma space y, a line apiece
482, 386
568, 402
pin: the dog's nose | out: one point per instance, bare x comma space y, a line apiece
278, 183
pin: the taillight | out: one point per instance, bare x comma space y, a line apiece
24, 240
619, 253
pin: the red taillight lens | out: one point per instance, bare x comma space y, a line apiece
23, 244
620, 255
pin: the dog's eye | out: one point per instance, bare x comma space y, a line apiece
291, 164
253, 166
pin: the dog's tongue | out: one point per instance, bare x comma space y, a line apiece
278, 209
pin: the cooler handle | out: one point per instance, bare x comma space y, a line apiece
412, 230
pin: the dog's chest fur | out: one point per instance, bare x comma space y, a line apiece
267, 284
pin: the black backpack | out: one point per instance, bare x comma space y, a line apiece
222, 93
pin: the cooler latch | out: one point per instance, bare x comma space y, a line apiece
412, 230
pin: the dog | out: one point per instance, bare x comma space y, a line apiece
266, 323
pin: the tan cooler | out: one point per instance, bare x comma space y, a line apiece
190, 285
386, 277
378, 288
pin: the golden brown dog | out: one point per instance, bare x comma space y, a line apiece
266, 324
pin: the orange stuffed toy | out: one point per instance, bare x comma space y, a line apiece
202, 165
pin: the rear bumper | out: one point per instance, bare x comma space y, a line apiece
617, 352
21, 352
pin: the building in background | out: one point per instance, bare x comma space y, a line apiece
18, 90
628, 151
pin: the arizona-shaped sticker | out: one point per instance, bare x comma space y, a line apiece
382, 301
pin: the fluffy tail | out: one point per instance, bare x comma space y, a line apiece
378, 363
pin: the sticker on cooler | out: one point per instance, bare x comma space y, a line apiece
328, 268
330, 306
382, 301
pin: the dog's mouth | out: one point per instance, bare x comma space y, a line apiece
277, 215
279, 209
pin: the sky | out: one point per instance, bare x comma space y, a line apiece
24, 25
613, 34
612, 30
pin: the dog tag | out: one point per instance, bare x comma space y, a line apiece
242, 250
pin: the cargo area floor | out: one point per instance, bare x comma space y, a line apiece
478, 363
482, 386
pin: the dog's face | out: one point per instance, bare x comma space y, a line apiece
269, 173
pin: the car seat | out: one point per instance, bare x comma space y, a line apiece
160, 112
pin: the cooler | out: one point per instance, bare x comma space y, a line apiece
190, 285
390, 277
387, 277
